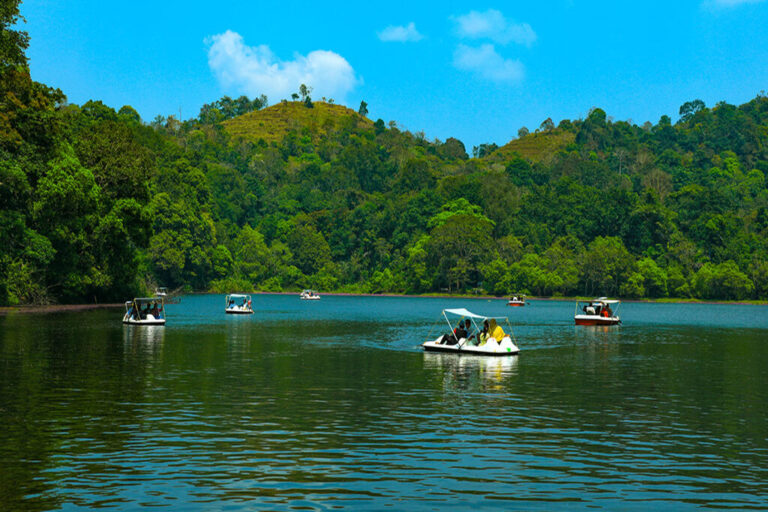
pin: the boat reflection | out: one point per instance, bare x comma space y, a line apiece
598, 333
463, 371
148, 336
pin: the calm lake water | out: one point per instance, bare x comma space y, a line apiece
331, 404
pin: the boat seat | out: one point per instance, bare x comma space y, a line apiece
506, 343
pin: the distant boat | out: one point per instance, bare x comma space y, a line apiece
145, 311
238, 304
517, 301
597, 312
491, 342
309, 295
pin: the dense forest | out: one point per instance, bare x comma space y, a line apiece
98, 205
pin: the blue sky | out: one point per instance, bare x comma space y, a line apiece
473, 71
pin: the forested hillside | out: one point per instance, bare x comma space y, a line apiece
98, 205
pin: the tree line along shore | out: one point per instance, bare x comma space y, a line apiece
99, 205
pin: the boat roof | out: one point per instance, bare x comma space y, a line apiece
605, 300
237, 295
467, 313
147, 299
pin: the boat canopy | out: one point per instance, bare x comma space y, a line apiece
237, 296
604, 300
467, 313
144, 300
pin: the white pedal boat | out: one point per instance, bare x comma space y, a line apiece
145, 311
238, 304
309, 295
475, 341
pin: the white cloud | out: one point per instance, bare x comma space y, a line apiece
487, 63
255, 70
400, 34
492, 25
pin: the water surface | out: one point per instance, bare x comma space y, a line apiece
321, 405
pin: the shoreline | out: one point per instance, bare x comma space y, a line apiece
65, 308
54, 308
531, 298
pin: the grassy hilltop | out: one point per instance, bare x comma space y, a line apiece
273, 123
535, 147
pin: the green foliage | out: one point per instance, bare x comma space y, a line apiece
723, 281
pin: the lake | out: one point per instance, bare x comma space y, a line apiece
331, 404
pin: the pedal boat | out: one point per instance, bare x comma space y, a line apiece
309, 295
491, 347
145, 311
238, 304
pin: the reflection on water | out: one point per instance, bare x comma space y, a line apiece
147, 336
461, 370
332, 404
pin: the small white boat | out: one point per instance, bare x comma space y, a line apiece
145, 311
597, 312
309, 295
161, 291
490, 340
238, 304
517, 301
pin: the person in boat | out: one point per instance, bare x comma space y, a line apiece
496, 331
484, 333
453, 338
589, 310
607, 311
249, 303
460, 332
481, 336
155, 311
231, 304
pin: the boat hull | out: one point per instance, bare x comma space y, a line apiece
515, 304
131, 321
310, 298
596, 320
239, 311
497, 350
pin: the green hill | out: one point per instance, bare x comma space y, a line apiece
273, 123
536, 146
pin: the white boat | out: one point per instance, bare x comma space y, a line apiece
517, 301
491, 342
145, 311
597, 312
309, 295
161, 291
238, 304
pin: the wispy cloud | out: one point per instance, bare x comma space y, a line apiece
400, 34
492, 25
487, 63
724, 4
255, 70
